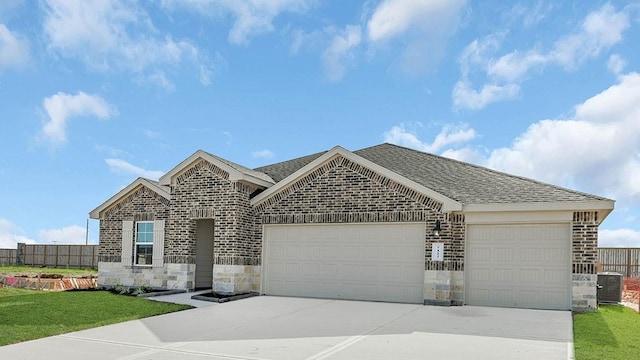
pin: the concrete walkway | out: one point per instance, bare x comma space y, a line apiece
267, 327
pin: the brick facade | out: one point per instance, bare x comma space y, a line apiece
584, 260
337, 191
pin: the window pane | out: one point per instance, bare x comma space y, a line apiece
144, 254
144, 232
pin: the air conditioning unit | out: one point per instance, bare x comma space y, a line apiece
609, 287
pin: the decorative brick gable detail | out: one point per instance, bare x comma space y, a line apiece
204, 191
585, 242
356, 169
142, 204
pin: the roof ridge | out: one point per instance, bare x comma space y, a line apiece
294, 159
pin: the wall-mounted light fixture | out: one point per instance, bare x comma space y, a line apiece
437, 229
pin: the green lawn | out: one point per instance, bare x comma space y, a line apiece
28, 270
612, 332
28, 314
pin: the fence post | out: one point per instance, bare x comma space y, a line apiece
20, 254
628, 262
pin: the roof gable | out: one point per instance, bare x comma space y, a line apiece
447, 203
236, 172
150, 184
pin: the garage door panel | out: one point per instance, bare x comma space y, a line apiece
519, 266
329, 252
328, 270
502, 297
531, 254
480, 254
504, 275
531, 276
382, 262
311, 270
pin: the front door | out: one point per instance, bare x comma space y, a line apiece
204, 254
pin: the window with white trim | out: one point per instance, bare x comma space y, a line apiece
144, 243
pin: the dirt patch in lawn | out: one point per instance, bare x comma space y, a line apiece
49, 282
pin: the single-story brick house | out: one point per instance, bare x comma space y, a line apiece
385, 223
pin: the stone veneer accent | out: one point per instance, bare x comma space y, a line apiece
171, 276
443, 287
584, 292
233, 279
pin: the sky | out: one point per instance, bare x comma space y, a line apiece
94, 94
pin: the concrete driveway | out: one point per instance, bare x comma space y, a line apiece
293, 328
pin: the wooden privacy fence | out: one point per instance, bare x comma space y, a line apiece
8, 256
74, 256
625, 261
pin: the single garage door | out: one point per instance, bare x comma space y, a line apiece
380, 262
524, 266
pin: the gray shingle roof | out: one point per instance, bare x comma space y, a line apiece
460, 181
283, 169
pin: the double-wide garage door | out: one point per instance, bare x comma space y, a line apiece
526, 266
380, 262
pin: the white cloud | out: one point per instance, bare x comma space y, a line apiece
339, 53
14, 49
514, 66
116, 35
600, 30
393, 18
597, 150
421, 26
477, 53
120, 166
252, 17
616, 64
70, 235
11, 235
160, 78
61, 107
464, 96
449, 135
619, 238
466, 154
527, 14
262, 154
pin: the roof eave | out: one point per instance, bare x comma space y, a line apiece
95, 213
603, 207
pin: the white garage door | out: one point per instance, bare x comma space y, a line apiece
380, 262
525, 266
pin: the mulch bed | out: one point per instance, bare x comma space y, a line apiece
222, 298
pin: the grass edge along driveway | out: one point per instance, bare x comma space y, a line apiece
612, 332
28, 314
